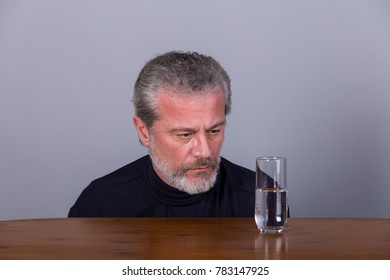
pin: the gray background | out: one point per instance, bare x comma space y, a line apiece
311, 81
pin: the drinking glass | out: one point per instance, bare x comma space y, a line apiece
271, 208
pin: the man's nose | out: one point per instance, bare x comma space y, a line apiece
202, 147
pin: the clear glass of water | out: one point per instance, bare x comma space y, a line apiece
271, 210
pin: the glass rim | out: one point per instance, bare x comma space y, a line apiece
271, 158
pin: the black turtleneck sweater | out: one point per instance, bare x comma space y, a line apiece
135, 190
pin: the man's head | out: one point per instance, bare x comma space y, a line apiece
181, 101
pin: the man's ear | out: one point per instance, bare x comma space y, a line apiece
142, 130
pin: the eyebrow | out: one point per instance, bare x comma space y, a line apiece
188, 129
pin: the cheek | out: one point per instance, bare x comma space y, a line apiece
176, 154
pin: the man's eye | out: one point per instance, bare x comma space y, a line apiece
184, 135
214, 131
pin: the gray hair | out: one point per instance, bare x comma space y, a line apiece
186, 73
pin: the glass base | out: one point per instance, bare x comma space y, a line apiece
271, 230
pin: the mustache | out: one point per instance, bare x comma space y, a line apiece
200, 162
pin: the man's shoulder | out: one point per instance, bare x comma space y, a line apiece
120, 181
113, 194
230, 166
240, 176
128, 173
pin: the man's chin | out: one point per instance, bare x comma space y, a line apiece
200, 177
194, 188
197, 183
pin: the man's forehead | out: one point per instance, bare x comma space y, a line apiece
188, 112
171, 99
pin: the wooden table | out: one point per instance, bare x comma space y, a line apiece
192, 238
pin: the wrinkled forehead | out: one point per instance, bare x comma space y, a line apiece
173, 103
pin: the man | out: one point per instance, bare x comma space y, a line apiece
181, 101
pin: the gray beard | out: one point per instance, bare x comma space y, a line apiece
177, 178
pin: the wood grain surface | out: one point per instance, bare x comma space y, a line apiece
192, 238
